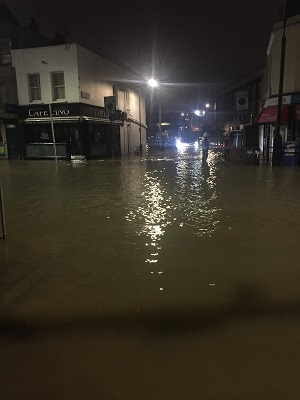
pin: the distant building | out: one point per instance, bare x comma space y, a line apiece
238, 103
61, 91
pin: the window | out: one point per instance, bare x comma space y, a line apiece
58, 85
5, 57
2, 95
34, 87
253, 91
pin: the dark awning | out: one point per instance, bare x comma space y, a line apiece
269, 115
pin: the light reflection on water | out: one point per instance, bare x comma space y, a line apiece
154, 212
117, 232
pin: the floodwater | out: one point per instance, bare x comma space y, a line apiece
150, 278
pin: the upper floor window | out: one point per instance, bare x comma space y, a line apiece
58, 85
254, 91
34, 87
259, 88
2, 95
5, 57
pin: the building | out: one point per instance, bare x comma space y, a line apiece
12, 36
251, 104
238, 103
282, 68
61, 97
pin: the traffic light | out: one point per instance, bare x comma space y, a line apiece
110, 105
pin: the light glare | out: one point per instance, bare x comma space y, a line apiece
152, 82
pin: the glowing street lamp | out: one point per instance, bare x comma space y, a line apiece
153, 83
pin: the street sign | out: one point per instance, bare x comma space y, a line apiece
242, 100
110, 105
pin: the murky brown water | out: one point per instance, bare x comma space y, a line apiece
150, 278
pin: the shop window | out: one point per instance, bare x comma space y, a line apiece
34, 87
58, 85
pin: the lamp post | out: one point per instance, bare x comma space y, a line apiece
53, 133
277, 140
153, 83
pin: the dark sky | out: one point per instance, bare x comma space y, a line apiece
200, 41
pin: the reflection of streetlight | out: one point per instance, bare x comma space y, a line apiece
140, 124
153, 83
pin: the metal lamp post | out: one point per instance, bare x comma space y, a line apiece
153, 83
277, 141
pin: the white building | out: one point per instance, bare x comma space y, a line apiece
66, 85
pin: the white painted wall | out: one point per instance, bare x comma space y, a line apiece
292, 58
44, 60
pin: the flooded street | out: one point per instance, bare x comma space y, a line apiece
150, 278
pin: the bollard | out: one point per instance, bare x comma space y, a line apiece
3, 229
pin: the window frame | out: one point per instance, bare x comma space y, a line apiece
2, 95
56, 88
34, 89
5, 52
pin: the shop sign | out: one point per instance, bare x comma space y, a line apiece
42, 111
45, 113
61, 111
99, 113
241, 100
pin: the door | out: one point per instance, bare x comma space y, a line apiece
13, 140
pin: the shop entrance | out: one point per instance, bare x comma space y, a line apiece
77, 143
13, 140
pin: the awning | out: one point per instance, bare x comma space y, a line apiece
47, 120
269, 115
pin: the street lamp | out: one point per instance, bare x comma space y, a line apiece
153, 83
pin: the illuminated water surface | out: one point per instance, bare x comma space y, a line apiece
162, 242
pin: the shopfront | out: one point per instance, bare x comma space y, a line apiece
72, 130
289, 125
3, 142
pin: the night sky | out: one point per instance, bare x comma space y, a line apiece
204, 41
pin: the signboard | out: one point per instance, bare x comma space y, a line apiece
290, 153
110, 105
241, 100
61, 111
85, 95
